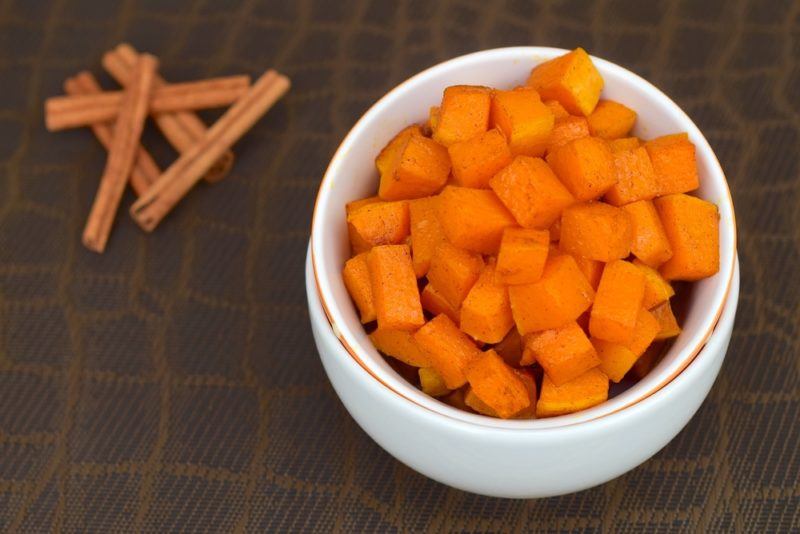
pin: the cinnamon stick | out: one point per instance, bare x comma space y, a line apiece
72, 111
181, 128
189, 168
124, 145
145, 171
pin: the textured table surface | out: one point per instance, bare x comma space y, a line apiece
172, 382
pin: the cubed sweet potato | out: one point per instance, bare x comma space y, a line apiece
357, 243
650, 244
449, 349
434, 303
611, 120
645, 331
615, 359
645, 363
433, 119
585, 391
358, 284
674, 164
432, 382
564, 353
464, 113
523, 253
565, 130
558, 297
390, 154
596, 231
572, 79
478, 159
394, 288
420, 168
400, 344
378, 223
496, 384
426, 232
692, 228
656, 289
453, 272
472, 400
557, 109
617, 303
585, 166
531, 192
626, 143
524, 119
668, 325
635, 177
473, 219
510, 348
591, 269
486, 312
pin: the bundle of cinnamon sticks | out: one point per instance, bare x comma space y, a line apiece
117, 119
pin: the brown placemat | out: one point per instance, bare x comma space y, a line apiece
172, 383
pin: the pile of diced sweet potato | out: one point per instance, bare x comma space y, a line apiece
520, 250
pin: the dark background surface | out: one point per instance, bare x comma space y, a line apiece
173, 383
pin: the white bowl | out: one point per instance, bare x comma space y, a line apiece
352, 175
519, 463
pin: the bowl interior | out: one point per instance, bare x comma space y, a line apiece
352, 175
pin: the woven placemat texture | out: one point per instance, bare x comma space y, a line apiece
172, 383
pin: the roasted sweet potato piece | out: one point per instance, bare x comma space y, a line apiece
635, 177
615, 360
524, 119
650, 242
565, 130
510, 348
434, 303
626, 143
611, 120
473, 401
426, 233
497, 385
692, 228
617, 303
556, 108
357, 243
418, 167
486, 312
674, 164
656, 289
558, 297
453, 272
668, 325
585, 391
464, 113
522, 256
645, 331
591, 269
449, 349
378, 223
585, 166
473, 219
564, 353
478, 159
572, 79
596, 231
433, 119
531, 192
394, 288
358, 284
432, 382
645, 363
390, 154
400, 344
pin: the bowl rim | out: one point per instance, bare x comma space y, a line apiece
532, 51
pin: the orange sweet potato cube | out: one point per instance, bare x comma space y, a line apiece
585, 391
432, 382
496, 384
674, 163
636, 179
566, 130
556, 108
478, 159
453, 272
528, 378
596, 231
394, 288
418, 167
400, 344
692, 228
564, 353
473, 219
358, 284
357, 243
668, 325
558, 297
572, 79
645, 331
531, 192
472, 400
433, 119
656, 289
510, 348
591, 269
448, 348
585, 166
486, 312
378, 223
522, 256
390, 154
650, 242
464, 113
645, 363
611, 120
615, 360
434, 303
626, 143
426, 232
617, 303
524, 119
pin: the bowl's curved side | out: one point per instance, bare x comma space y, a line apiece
512, 462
